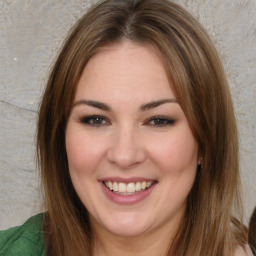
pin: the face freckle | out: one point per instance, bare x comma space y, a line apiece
132, 156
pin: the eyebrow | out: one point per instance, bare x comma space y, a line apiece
92, 103
105, 107
157, 103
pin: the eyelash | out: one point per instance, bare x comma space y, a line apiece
97, 121
160, 121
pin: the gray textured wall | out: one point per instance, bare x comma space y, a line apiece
31, 33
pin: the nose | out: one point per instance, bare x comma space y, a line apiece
127, 149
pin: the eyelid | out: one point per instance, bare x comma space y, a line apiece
166, 121
87, 120
100, 120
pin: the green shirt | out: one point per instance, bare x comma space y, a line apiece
24, 240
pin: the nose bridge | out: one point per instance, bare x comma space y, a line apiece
126, 148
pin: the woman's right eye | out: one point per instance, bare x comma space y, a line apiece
95, 120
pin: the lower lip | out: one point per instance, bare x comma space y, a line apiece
127, 199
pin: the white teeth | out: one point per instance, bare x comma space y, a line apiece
110, 185
122, 188
138, 186
115, 186
131, 187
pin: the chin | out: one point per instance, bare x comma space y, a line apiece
127, 231
126, 226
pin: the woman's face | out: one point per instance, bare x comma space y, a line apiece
132, 156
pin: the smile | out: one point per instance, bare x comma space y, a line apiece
129, 188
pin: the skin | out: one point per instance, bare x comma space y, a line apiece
128, 141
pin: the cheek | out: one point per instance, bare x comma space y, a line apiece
176, 153
83, 152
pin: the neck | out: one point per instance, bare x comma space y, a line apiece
151, 244
130, 246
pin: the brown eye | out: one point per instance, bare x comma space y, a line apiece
159, 121
94, 120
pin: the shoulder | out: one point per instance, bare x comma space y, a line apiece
243, 251
26, 239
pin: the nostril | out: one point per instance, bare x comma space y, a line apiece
126, 158
126, 149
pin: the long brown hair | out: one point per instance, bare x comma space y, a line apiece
193, 66
252, 231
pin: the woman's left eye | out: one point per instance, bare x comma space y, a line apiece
160, 121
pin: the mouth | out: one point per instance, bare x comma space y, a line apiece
128, 189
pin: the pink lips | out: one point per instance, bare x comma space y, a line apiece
126, 199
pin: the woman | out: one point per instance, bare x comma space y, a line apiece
137, 140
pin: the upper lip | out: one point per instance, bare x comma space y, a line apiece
126, 180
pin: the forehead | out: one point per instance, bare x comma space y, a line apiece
124, 69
